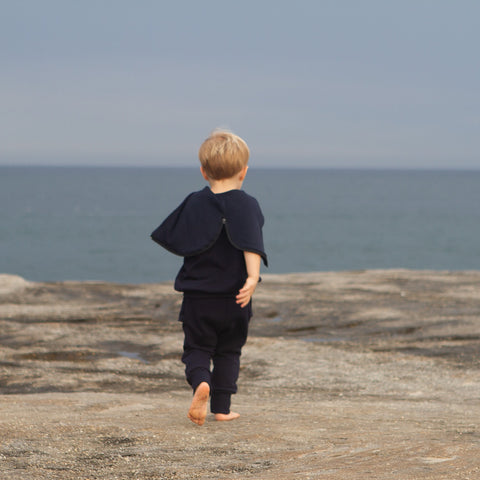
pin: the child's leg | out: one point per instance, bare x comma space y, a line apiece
199, 345
226, 361
224, 377
199, 342
197, 366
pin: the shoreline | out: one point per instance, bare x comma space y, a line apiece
371, 374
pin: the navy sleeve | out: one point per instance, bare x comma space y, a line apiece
191, 228
244, 222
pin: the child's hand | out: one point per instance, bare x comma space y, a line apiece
245, 293
252, 262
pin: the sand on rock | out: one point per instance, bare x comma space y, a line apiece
358, 375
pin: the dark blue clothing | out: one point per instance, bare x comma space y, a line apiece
195, 225
220, 270
215, 331
212, 231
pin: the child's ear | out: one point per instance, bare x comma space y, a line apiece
243, 173
204, 174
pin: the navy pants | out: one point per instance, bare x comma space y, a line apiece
215, 331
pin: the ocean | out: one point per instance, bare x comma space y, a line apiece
82, 223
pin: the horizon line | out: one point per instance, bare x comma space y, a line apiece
263, 167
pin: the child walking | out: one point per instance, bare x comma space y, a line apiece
218, 231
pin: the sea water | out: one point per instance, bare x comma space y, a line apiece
72, 223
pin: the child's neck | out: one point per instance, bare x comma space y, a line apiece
222, 186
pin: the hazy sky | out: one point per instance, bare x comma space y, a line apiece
326, 83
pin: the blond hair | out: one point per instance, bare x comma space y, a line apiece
223, 154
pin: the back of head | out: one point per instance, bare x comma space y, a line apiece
223, 154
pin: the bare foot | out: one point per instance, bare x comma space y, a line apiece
225, 417
198, 408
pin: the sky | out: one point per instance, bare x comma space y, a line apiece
307, 83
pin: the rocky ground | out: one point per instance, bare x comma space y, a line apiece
358, 375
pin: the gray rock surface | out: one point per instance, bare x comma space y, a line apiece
358, 375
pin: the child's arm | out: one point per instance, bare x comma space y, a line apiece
252, 261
